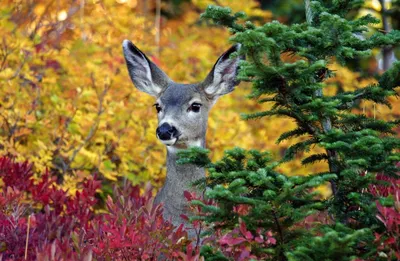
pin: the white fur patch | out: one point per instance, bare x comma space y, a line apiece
169, 142
172, 149
195, 143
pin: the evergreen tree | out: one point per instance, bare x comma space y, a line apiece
356, 147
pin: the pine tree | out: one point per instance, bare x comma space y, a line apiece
355, 147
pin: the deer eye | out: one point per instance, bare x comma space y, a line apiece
158, 107
195, 107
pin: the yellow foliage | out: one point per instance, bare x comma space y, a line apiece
67, 103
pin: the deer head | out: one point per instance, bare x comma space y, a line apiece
182, 109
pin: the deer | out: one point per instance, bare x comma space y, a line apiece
182, 111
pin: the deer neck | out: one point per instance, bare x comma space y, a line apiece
181, 174
179, 178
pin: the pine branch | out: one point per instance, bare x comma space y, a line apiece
290, 134
297, 148
314, 158
391, 78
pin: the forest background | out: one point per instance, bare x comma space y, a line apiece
67, 103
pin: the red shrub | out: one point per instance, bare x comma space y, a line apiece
236, 244
67, 227
134, 229
388, 241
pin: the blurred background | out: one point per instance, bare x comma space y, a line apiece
67, 103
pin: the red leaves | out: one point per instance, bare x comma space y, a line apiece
134, 229
385, 189
242, 209
67, 227
192, 254
240, 243
389, 241
189, 196
244, 230
15, 175
229, 240
55, 214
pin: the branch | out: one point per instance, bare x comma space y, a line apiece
39, 22
349, 104
94, 127
5, 53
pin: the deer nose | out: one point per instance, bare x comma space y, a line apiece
166, 132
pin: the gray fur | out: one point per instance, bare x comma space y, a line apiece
175, 101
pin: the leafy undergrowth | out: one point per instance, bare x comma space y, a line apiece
64, 227
39, 221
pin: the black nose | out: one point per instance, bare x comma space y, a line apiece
166, 132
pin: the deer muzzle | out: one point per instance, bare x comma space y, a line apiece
167, 134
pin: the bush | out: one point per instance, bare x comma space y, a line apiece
72, 227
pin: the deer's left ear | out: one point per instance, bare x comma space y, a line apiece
222, 78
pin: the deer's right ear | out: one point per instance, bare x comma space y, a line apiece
145, 75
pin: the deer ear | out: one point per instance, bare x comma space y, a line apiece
145, 75
222, 78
